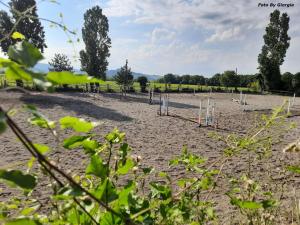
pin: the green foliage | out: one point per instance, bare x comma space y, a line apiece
26, 21
25, 54
124, 77
229, 79
79, 125
115, 188
274, 50
97, 43
19, 179
59, 63
288, 81
143, 82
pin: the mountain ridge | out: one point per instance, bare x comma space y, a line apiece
43, 67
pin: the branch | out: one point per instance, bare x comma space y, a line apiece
45, 163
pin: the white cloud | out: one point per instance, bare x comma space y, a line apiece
216, 22
233, 33
162, 34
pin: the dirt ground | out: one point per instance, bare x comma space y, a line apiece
156, 139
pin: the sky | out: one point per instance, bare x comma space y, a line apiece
201, 37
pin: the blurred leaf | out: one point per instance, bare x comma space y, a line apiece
97, 168
79, 125
269, 203
90, 145
115, 136
25, 54
2, 122
294, 169
124, 168
42, 148
23, 221
106, 191
147, 170
125, 192
17, 35
67, 77
41, 122
16, 72
245, 204
74, 141
17, 178
109, 219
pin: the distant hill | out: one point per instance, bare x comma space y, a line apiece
44, 68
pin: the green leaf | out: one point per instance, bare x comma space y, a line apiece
106, 191
74, 142
17, 35
246, 204
269, 203
294, 169
16, 72
97, 168
90, 146
23, 221
42, 148
161, 191
2, 122
17, 178
125, 192
25, 54
66, 77
41, 122
39, 119
109, 219
147, 170
115, 136
79, 125
124, 168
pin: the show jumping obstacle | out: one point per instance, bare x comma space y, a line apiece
206, 113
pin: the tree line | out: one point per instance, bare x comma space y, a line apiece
94, 57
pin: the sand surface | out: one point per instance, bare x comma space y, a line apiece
156, 139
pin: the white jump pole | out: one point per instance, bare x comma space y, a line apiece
213, 114
200, 113
167, 104
207, 111
294, 98
241, 97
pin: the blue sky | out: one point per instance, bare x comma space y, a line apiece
178, 36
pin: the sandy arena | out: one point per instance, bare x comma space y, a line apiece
157, 139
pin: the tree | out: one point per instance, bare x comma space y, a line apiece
196, 79
143, 82
288, 81
229, 79
124, 77
170, 78
28, 25
186, 79
297, 82
60, 62
274, 50
97, 43
214, 80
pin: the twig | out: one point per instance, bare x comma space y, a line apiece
45, 163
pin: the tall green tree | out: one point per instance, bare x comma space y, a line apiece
60, 62
143, 82
288, 81
229, 79
27, 24
97, 43
124, 77
276, 43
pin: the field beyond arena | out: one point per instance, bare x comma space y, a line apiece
157, 139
